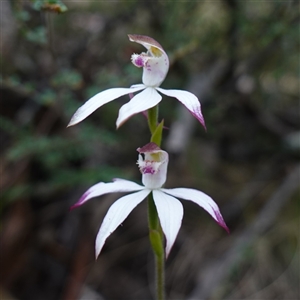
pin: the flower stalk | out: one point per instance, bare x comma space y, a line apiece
155, 232
156, 239
165, 211
152, 119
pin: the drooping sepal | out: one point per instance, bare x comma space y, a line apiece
189, 100
116, 214
170, 213
200, 198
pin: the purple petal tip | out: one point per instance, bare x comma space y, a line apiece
223, 225
73, 206
200, 118
221, 221
198, 115
226, 228
81, 200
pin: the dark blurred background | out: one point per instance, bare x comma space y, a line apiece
241, 58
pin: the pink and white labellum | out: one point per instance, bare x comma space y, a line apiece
153, 164
155, 64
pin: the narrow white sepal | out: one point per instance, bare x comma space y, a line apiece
102, 188
98, 100
202, 200
141, 102
170, 213
116, 214
189, 100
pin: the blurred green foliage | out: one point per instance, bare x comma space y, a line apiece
49, 5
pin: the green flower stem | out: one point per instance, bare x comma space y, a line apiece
152, 118
157, 134
155, 231
156, 239
160, 277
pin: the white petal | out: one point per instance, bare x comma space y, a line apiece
98, 100
116, 214
189, 100
202, 200
170, 212
140, 102
138, 85
156, 70
101, 188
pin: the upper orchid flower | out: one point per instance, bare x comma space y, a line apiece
153, 163
155, 64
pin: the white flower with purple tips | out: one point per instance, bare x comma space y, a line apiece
153, 164
155, 64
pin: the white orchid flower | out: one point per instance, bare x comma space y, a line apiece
155, 64
153, 163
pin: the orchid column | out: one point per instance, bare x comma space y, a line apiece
165, 212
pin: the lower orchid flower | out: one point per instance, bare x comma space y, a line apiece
153, 163
155, 64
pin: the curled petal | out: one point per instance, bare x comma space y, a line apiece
202, 200
139, 103
116, 214
98, 100
153, 165
146, 41
170, 213
189, 100
101, 188
155, 62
